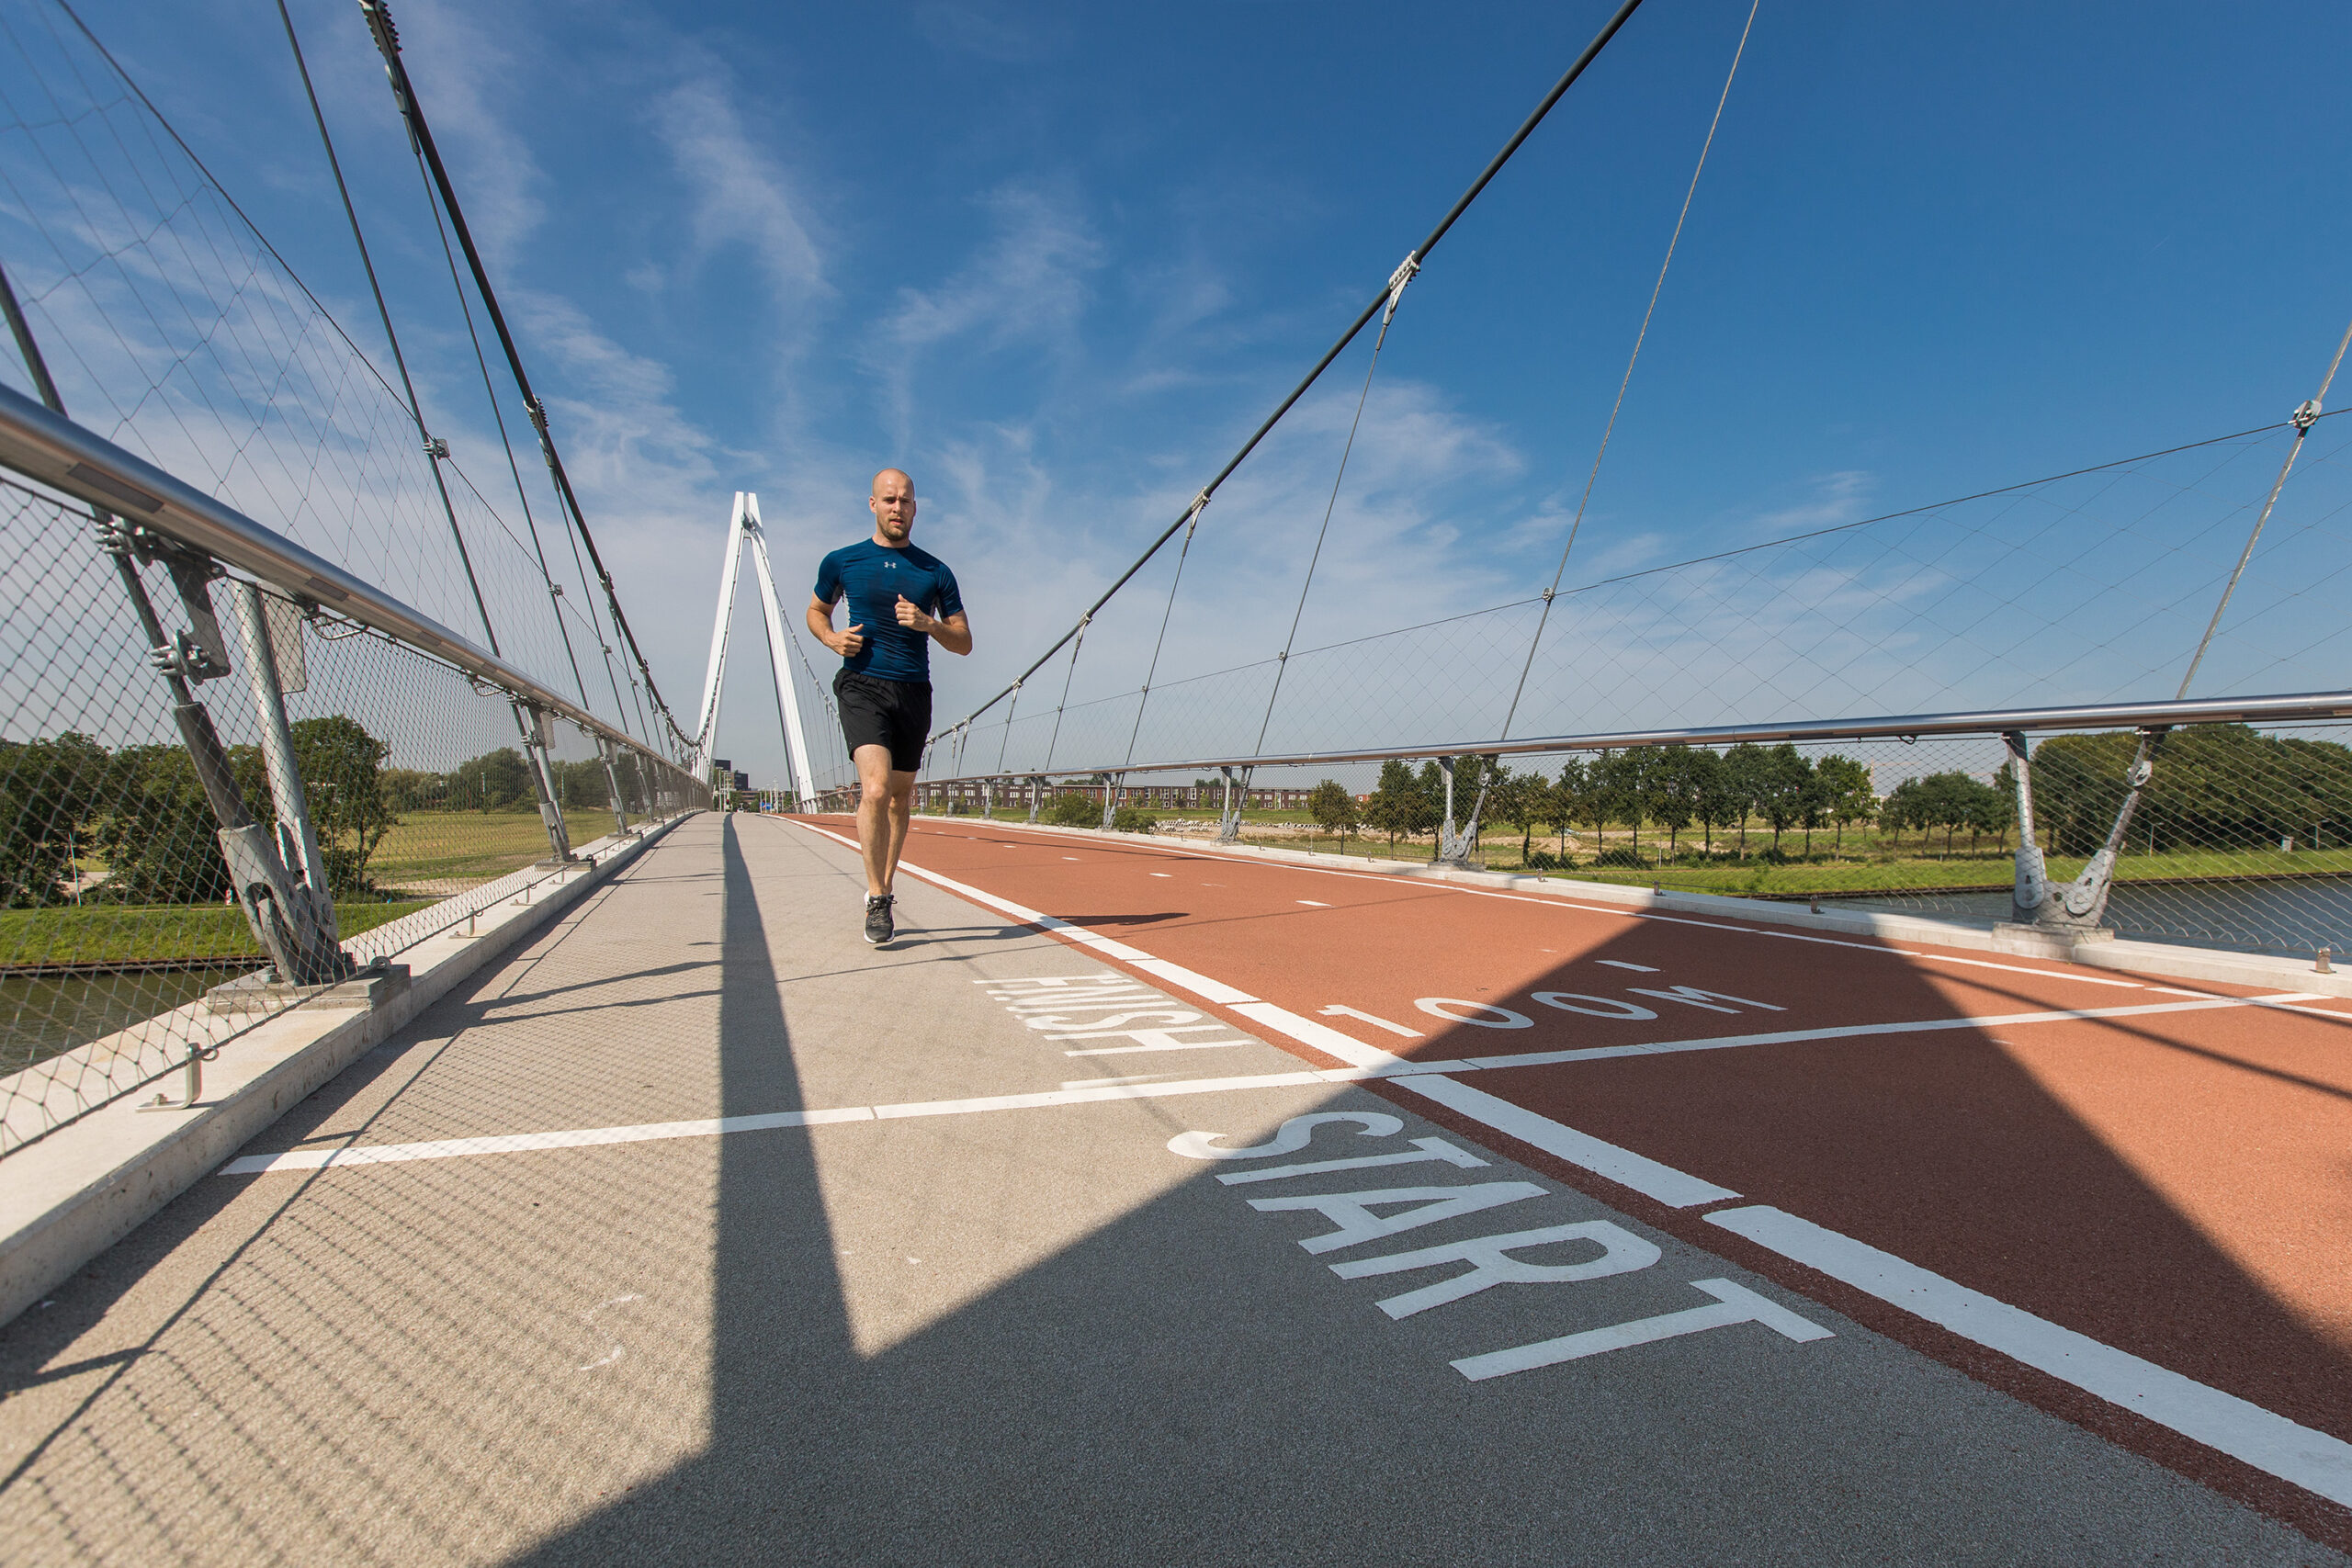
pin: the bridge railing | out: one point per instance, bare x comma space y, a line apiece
234, 775
2223, 821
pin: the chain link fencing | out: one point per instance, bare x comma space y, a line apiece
421, 781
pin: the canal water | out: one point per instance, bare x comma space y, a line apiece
2290, 917
41, 1018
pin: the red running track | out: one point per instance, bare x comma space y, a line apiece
2174, 1182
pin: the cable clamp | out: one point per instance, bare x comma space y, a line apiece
436, 447
2303, 418
1548, 593
1397, 281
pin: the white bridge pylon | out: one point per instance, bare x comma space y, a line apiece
744, 527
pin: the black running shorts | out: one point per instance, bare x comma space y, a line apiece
893, 714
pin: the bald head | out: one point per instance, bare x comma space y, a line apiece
893, 505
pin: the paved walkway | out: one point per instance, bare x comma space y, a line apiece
701, 1232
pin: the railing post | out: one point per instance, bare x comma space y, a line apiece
612, 784
298, 840
534, 725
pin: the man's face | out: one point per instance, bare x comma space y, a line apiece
893, 505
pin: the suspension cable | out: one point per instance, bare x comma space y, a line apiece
1614, 409
1143, 700
1420, 254
386, 39
2303, 420
465, 308
1397, 282
383, 312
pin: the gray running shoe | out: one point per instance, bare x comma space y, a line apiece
878, 918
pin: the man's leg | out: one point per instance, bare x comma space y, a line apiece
902, 809
880, 829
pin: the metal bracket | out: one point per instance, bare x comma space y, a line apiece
1113, 784
1228, 825
2031, 892
1453, 843
2081, 905
436, 447
2303, 418
1405, 273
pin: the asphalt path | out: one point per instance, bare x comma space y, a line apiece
2160, 1167
699, 1231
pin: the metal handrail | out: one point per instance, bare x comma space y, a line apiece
52, 450
2278, 709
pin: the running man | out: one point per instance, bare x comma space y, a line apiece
899, 598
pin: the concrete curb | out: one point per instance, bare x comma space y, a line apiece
83, 1187
2170, 959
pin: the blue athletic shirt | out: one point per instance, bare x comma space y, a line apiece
875, 578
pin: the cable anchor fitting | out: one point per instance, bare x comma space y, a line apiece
1404, 274
436, 447
2303, 418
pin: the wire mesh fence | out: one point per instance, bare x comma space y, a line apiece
120, 924
2085, 587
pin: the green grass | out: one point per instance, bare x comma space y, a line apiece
431, 849
116, 933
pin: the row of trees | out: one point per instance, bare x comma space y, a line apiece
2216, 788
143, 811
1671, 789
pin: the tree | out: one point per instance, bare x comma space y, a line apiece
1846, 786
1400, 804
1713, 799
1334, 809
1617, 791
495, 781
159, 837
341, 766
1516, 799
1673, 791
1073, 809
1563, 802
51, 791
1746, 772
1785, 779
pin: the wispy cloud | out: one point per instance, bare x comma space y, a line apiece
1028, 285
741, 194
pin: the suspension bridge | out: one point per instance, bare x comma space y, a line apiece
440, 1123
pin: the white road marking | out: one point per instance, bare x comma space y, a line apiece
1313, 905
1339, 1009
1621, 964
1167, 874
2245, 1431
1623, 1166
1733, 1304
1622, 1252
1861, 1031
1424, 1149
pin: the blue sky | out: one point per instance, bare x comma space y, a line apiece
1058, 260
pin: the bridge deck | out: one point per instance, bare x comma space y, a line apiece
699, 1229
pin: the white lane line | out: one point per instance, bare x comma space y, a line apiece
1621, 964
1860, 1030
516, 1143
1313, 905
1623, 1166
2243, 1430
1331, 1041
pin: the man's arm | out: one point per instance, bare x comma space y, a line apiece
954, 633
847, 641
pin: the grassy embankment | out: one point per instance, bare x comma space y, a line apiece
1865, 862
430, 856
